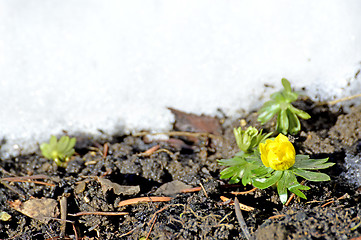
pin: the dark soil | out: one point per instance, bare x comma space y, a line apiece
332, 209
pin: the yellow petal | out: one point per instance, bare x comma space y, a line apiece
281, 138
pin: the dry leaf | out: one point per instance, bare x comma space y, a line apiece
118, 189
189, 122
41, 209
172, 187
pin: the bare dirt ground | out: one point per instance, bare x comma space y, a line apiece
98, 193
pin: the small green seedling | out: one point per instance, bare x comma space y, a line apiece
59, 151
287, 115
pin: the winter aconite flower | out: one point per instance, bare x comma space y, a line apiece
278, 154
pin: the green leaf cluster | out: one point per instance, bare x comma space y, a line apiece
249, 139
240, 167
286, 180
281, 105
59, 151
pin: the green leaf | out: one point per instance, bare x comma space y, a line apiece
286, 84
262, 171
282, 187
304, 162
282, 122
311, 176
53, 141
294, 123
268, 111
44, 147
300, 113
231, 172
296, 190
70, 147
236, 160
239, 168
62, 144
263, 183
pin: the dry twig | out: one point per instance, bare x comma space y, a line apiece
143, 199
204, 190
240, 218
179, 133
98, 213
245, 192
241, 205
189, 190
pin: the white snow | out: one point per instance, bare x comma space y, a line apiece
116, 65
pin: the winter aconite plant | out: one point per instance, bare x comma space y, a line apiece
282, 165
281, 105
273, 163
242, 164
60, 151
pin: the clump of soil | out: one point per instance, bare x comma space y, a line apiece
181, 166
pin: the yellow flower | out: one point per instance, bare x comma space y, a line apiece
278, 154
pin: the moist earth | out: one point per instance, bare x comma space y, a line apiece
182, 165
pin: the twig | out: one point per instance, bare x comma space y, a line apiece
293, 195
13, 189
35, 182
332, 201
277, 216
328, 203
127, 233
155, 214
343, 99
26, 177
149, 152
241, 205
98, 213
357, 225
63, 212
240, 218
178, 133
189, 190
143, 199
29, 179
245, 192
290, 199
224, 218
75, 233
166, 151
105, 150
204, 190
151, 228
154, 218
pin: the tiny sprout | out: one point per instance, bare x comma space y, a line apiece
287, 115
60, 151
